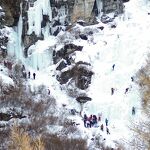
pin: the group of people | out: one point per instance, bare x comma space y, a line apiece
113, 89
27, 75
92, 121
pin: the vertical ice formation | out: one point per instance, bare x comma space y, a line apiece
99, 6
14, 46
40, 55
35, 16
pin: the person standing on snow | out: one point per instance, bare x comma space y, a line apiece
49, 92
106, 121
133, 110
29, 74
132, 79
85, 120
34, 76
107, 130
126, 90
94, 119
112, 91
102, 127
113, 67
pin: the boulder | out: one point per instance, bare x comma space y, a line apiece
80, 74
83, 99
62, 65
5, 117
65, 52
83, 37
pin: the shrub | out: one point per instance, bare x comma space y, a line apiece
54, 142
20, 140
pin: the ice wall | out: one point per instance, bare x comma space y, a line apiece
14, 47
40, 54
99, 6
35, 16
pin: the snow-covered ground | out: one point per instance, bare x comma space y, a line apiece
126, 46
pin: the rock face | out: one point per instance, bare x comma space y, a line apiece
11, 10
80, 74
82, 10
65, 52
3, 45
112, 5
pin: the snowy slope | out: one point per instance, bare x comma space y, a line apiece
126, 46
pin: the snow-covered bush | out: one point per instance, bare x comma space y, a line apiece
55, 142
141, 128
143, 79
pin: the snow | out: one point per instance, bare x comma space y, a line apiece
4, 75
126, 46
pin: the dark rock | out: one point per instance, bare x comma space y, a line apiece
101, 28
90, 33
12, 11
61, 66
83, 99
56, 31
65, 76
126, 1
111, 6
54, 12
5, 117
106, 19
83, 77
3, 45
56, 23
25, 27
79, 73
83, 36
65, 52
82, 23
44, 21
113, 26
68, 60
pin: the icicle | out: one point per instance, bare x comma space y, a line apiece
19, 53
99, 6
35, 16
14, 46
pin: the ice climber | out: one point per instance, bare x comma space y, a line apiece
112, 91
29, 74
113, 67
85, 120
106, 121
133, 110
